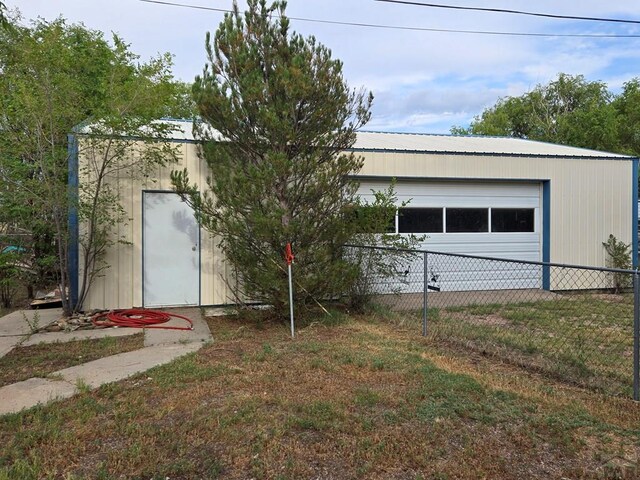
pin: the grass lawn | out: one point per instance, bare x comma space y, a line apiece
41, 360
586, 339
362, 398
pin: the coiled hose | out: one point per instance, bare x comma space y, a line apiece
138, 318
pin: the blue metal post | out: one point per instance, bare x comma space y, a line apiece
73, 251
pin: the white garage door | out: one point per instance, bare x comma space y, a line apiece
489, 219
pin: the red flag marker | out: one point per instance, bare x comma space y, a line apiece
288, 256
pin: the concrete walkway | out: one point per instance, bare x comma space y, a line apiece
161, 347
15, 326
57, 337
200, 332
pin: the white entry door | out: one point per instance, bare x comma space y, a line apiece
171, 251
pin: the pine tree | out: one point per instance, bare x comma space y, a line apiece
284, 121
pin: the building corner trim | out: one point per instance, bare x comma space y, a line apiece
73, 247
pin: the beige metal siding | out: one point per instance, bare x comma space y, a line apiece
120, 286
590, 198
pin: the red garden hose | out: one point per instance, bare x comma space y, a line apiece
138, 318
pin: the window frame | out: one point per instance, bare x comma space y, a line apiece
533, 221
445, 214
442, 220
486, 209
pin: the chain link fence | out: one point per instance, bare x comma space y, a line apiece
577, 324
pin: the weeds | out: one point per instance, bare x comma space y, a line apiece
32, 323
82, 386
254, 406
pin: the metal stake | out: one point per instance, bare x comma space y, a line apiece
636, 337
293, 333
424, 296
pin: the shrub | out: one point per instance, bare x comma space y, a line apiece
619, 256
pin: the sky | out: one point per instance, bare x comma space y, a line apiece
422, 81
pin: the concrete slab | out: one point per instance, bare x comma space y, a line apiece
200, 332
117, 367
32, 392
413, 301
15, 322
8, 343
165, 346
219, 311
57, 337
15, 326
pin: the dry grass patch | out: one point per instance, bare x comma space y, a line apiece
362, 399
584, 339
41, 360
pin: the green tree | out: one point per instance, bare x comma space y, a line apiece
627, 106
54, 77
283, 117
182, 105
124, 140
373, 220
569, 110
3, 16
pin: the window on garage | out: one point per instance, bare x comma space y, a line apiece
467, 220
512, 220
420, 220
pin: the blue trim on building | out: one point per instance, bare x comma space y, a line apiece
73, 253
546, 233
634, 220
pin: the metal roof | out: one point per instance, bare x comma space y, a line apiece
444, 144
468, 144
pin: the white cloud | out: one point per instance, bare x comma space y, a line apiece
421, 79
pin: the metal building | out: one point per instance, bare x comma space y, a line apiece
490, 196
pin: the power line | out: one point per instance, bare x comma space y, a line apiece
516, 12
197, 7
416, 29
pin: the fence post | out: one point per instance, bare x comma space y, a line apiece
636, 336
424, 295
